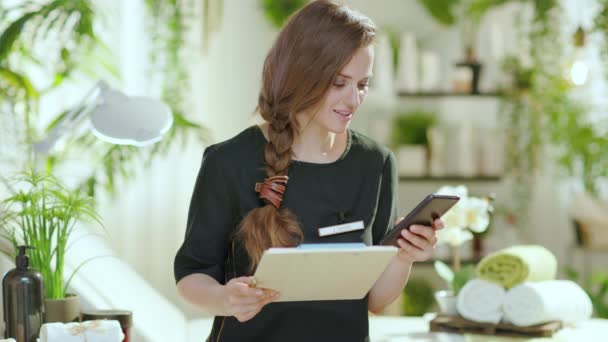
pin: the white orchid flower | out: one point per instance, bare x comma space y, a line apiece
456, 216
460, 191
477, 215
454, 236
470, 214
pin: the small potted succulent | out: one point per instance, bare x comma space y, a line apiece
409, 139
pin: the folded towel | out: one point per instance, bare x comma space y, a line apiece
89, 331
514, 265
481, 301
552, 300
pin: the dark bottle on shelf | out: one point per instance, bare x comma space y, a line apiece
23, 295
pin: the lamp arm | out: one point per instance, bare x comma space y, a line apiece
71, 119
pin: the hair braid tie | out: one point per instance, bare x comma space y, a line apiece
272, 190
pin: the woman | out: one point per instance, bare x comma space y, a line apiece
277, 183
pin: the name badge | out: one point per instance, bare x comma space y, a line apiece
341, 228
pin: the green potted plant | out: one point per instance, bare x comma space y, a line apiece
409, 139
42, 214
417, 297
455, 280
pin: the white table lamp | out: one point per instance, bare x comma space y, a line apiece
115, 118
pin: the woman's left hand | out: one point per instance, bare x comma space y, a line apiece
418, 242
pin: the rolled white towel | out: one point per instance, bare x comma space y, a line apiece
481, 301
532, 303
89, 331
8, 340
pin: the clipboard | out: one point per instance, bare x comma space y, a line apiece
322, 271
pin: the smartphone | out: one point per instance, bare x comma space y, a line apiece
430, 208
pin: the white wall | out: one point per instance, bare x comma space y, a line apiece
235, 67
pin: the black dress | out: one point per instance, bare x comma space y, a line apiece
360, 185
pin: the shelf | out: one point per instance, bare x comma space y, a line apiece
465, 261
450, 178
448, 94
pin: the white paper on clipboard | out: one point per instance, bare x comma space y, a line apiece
323, 272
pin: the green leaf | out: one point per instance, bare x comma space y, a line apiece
69, 280
441, 10
411, 128
47, 213
19, 82
278, 11
11, 34
445, 272
417, 297
461, 277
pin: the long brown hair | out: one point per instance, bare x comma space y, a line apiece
309, 52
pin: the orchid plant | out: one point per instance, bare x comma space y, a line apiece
468, 216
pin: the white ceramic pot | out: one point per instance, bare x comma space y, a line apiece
407, 69
411, 160
447, 302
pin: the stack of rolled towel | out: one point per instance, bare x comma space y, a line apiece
517, 285
88, 331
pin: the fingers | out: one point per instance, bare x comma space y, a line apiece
244, 295
410, 252
242, 280
438, 224
424, 232
247, 312
417, 243
244, 301
421, 241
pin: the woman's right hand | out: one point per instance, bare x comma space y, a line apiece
243, 301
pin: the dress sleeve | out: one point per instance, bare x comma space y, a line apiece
210, 221
386, 213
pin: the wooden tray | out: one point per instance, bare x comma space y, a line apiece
457, 324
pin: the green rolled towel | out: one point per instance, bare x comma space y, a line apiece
514, 265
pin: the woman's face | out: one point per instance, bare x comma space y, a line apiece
346, 93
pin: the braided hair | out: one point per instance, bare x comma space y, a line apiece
309, 52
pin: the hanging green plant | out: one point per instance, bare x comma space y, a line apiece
25, 28
451, 12
546, 114
25, 32
600, 23
278, 11
441, 10
538, 107
168, 25
524, 113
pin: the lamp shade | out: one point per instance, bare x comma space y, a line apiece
138, 121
